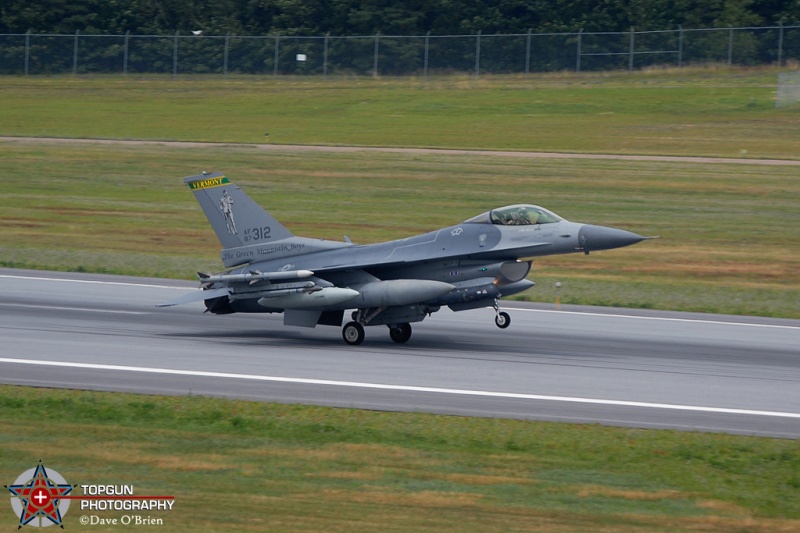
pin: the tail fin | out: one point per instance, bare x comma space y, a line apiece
237, 220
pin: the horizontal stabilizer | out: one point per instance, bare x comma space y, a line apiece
196, 296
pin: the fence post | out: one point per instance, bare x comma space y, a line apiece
325, 55
375, 55
478, 54
578, 55
125, 53
175, 55
75, 54
27, 50
730, 46
780, 43
225, 55
277, 48
528, 53
630, 52
680, 46
425, 61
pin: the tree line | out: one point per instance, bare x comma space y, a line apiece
387, 17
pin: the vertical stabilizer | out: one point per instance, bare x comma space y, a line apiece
237, 220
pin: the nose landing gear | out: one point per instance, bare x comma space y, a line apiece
400, 333
501, 318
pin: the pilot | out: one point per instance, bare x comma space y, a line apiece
522, 217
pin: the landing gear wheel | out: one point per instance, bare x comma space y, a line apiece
353, 333
503, 320
400, 333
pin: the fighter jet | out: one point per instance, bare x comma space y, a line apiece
314, 282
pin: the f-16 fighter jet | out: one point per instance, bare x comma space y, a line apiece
314, 282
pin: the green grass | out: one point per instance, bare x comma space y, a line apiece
726, 113
267, 467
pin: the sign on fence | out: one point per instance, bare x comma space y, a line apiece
788, 89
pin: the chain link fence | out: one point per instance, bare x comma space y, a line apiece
394, 55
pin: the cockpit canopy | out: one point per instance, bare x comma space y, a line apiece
516, 215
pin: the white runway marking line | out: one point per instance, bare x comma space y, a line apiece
406, 388
84, 309
665, 319
97, 282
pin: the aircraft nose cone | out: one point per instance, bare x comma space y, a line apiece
593, 238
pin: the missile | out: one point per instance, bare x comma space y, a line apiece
270, 295
274, 290
305, 299
252, 277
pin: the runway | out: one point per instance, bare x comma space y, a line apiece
589, 365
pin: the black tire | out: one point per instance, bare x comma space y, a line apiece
503, 320
353, 333
400, 334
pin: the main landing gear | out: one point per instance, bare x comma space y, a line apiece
400, 333
353, 333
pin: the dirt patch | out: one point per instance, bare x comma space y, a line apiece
433, 151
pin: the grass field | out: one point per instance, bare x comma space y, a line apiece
247, 466
729, 245
719, 113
